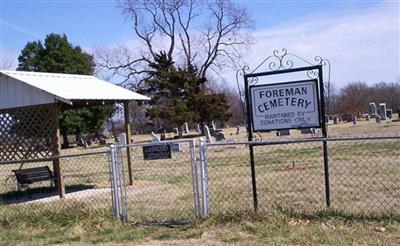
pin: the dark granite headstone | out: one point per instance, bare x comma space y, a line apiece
284, 133
307, 131
175, 147
389, 113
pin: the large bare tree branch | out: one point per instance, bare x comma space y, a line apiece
207, 35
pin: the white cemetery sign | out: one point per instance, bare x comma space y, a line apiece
290, 105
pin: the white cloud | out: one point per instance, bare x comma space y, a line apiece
18, 29
361, 45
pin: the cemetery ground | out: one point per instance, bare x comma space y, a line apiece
290, 187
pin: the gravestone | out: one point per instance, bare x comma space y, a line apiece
355, 120
283, 133
176, 131
307, 130
157, 151
389, 113
198, 128
185, 127
155, 137
335, 120
122, 138
213, 125
382, 111
348, 117
208, 135
175, 147
220, 136
377, 119
82, 142
237, 130
367, 117
102, 141
372, 108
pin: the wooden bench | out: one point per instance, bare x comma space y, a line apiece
28, 176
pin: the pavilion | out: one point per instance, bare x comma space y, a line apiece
30, 103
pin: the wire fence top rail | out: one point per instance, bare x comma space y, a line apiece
187, 140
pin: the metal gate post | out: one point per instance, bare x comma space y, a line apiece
113, 179
196, 195
122, 187
204, 179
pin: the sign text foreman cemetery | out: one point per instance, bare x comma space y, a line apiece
289, 105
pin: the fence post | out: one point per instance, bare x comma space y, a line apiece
122, 189
204, 179
196, 195
324, 142
113, 179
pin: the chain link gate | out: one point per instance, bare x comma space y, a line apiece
165, 188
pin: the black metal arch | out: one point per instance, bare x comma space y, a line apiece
281, 61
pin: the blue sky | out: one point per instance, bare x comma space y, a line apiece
92, 23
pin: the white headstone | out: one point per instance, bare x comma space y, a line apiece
208, 135
355, 120
185, 127
155, 137
176, 131
122, 138
213, 125
198, 128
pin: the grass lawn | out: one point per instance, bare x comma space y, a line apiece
82, 226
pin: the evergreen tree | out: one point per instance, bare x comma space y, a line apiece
57, 55
177, 96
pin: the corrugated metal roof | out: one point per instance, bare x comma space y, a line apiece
69, 87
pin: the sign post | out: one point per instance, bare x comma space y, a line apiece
283, 106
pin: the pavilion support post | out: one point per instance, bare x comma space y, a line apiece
56, 152
128, 141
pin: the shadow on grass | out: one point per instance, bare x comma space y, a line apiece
16, 197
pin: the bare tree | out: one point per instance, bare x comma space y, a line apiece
238, 116
7, 62
355, 97
207, 35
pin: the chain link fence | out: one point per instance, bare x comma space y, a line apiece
363, 176
86, 181
214, 178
